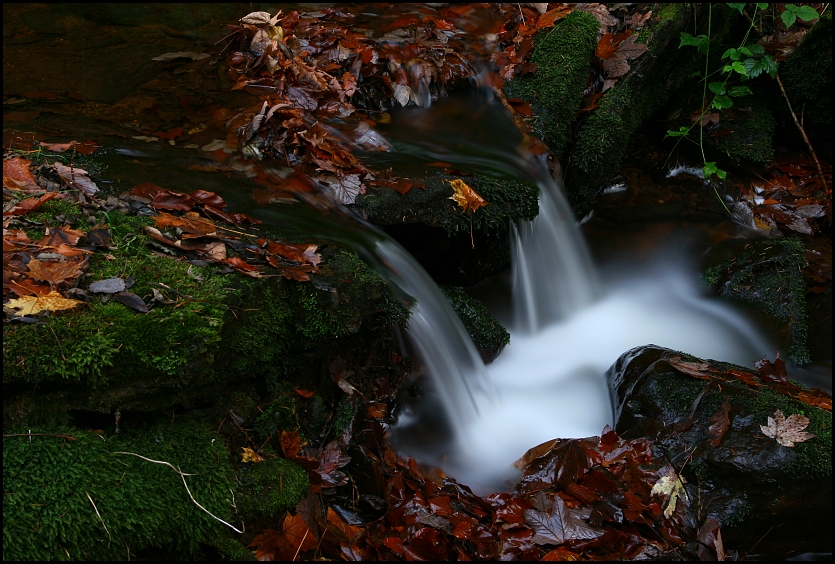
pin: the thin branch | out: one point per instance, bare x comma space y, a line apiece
183, 476
100, 519
802, 131
156, 462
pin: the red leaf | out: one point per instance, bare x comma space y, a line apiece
16, 175
175, 201
294, 538
30, 204
208, 198
146, 190
719, 424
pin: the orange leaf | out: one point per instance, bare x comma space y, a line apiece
549, 18
290, 443
294, 538
342, 530
16, 175
52, 271
30, 204
465, 196
606, 47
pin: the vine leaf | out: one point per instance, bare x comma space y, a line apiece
787, 430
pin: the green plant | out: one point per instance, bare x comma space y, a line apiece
745, 62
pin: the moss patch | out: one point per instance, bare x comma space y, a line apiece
768, 275
270, 487
489, 336
555, 91
48, 516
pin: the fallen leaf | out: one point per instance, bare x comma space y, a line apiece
30, 204
53, 272
295, 537
17, 176
342, 530
787, 430
250, 455
465, 196
30, 305
76, 178
551, 17
719, 423
108, 286
669, 486
558, 525
699, 370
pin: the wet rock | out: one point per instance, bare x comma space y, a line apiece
772, 501
489, 336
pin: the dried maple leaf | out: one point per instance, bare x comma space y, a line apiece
699, 370
670, 486
30, 204
30, 305
17, 176
787, 430
250, 455
465, 196
76, 178
295, 537
53, 271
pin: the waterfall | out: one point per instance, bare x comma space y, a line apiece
553, 275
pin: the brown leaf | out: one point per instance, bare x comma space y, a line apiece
30, 305
207, 198
719, 423
146, 191
343, 531
787, 431
17, 176
242, 266
175, 201
295, 537
131, 300
290, 443
76, 178
465, 196
53, 272
616, 66
606, 47
699, 370
551, 17
56, 236
558, 525
30, 204
629, 49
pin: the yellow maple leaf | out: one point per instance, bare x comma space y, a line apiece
670, 486
465, 196
30, 305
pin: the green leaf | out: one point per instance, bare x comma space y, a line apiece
745, 51
756, 49
717, 87
732, 53
710, 169
700, 42
741, 68
682, 131
762, 6
739, 7
753, 67
788, 17
722, 102
770, 65
738, 91
807, 13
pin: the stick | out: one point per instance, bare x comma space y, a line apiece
802, 131
100, 519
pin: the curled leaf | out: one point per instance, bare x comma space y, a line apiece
465, 196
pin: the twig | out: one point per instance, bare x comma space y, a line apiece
802, 131
300, 544
38, 435
100, 519
183, 476
761, 539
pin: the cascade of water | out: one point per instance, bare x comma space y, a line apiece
553, 275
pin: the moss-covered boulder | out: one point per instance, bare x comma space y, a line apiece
705, 418
456, 247
488, 335
768, 275
205, 330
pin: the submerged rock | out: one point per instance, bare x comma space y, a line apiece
706, 417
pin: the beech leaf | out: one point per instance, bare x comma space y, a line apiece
787, 430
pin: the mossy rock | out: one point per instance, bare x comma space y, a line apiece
47, 514
105, 356
748, 482
269, 488
602, 138
555, 90
768, 274
488, 335
455, 247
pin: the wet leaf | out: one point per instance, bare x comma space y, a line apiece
175, 201
787, 430
466, 197
551, 17
53, 272
76, 178
699, 370
131, 300
30, 305
670, 486
57, 236
558, 525
294, 538
342, 530
719, 423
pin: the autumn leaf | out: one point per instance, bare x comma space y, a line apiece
76, 178
30, 204
342, 530
250, 455
465, 196
719, 423
699, 370
787, 430
295, 537
53, 271
17, 176
551, 17
669, 486
30, 305
558, 525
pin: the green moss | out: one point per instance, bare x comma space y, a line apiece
230, 549
48, 516
751, 137
814, 457
509, 201
807, 73
486, 331
271, 487
555, 91
344, 415
280, 415
768, 275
